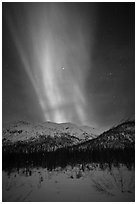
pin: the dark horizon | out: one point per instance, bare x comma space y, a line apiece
68, 62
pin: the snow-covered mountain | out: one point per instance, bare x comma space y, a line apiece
24, 131
119, 137
62, 143
50, 136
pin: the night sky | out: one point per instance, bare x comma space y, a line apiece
68, 62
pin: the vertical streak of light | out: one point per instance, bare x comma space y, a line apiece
24, 59
60, 92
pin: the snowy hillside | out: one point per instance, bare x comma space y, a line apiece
46, 136
119, 137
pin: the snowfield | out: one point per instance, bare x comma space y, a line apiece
77, 183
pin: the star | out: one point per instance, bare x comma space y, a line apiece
110, 74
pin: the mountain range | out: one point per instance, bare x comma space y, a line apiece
48, 136
120, 137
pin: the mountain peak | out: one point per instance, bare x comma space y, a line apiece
21, 130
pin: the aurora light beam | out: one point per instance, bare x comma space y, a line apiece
52, 40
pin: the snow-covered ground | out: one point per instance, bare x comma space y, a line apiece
78, 183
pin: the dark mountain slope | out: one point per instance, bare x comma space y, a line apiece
119, 137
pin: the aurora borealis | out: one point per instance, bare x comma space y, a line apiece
68, 62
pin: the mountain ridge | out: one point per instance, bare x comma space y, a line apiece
51, 136
118, 137
115, 145
22, 131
